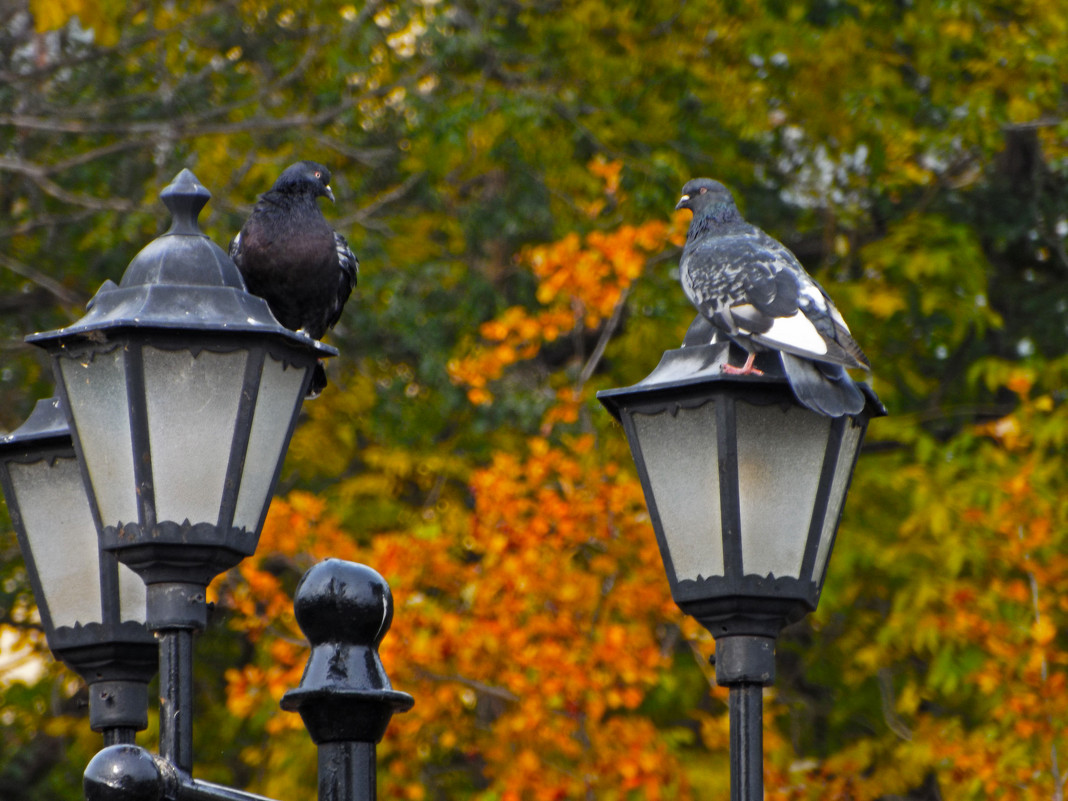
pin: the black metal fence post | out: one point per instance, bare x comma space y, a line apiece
345, 698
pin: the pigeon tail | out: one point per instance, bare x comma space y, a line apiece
318, 381
824, 388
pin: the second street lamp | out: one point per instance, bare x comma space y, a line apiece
745, 488
92, 608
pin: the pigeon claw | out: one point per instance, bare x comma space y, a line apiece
745, 369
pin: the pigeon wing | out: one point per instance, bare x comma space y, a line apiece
715, 280
349, 270
821, 311
776, 303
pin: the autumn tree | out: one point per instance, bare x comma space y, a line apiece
506, 172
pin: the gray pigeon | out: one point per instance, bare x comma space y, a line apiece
754, 291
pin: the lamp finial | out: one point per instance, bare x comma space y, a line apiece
185, 196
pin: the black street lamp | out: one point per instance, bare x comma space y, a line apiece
92, 608
745, 488
181, 392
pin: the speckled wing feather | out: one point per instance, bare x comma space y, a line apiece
751, 287
350, 267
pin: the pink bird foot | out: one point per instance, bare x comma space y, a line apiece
745, 369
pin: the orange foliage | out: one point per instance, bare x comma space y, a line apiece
581, 282
529, 638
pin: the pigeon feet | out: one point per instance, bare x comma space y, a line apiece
745, 369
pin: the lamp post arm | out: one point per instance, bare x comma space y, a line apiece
190, 789
128, 772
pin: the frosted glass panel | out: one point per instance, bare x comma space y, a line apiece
780, 455
682, 462
132, 598
843, 471
96, 388
276, 404
59, 526
192, 412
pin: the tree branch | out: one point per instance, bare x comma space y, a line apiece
39, 175
57, 289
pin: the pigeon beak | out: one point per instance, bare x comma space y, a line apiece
682, 202
329, 193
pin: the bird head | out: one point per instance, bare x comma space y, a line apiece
705, 195
305, 176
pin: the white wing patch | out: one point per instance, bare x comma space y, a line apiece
813, 294
796, 334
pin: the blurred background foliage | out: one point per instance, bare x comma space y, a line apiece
506, 171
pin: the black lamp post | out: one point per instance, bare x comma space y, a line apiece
181, 392
745, 488
92, 608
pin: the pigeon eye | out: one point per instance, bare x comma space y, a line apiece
703, 190
318, 174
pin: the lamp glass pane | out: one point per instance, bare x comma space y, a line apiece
682, 462
843, 471
780, 455
96, 389
192, 411
132, 595
277, 402
62, 535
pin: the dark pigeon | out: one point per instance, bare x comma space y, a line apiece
754, 291
291, 257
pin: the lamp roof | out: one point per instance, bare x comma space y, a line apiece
179, 281
46, 426
685, 369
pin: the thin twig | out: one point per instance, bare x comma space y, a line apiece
602, 341
477, 686
61, 292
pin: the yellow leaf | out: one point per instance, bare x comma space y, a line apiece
885, 304
1043, 631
